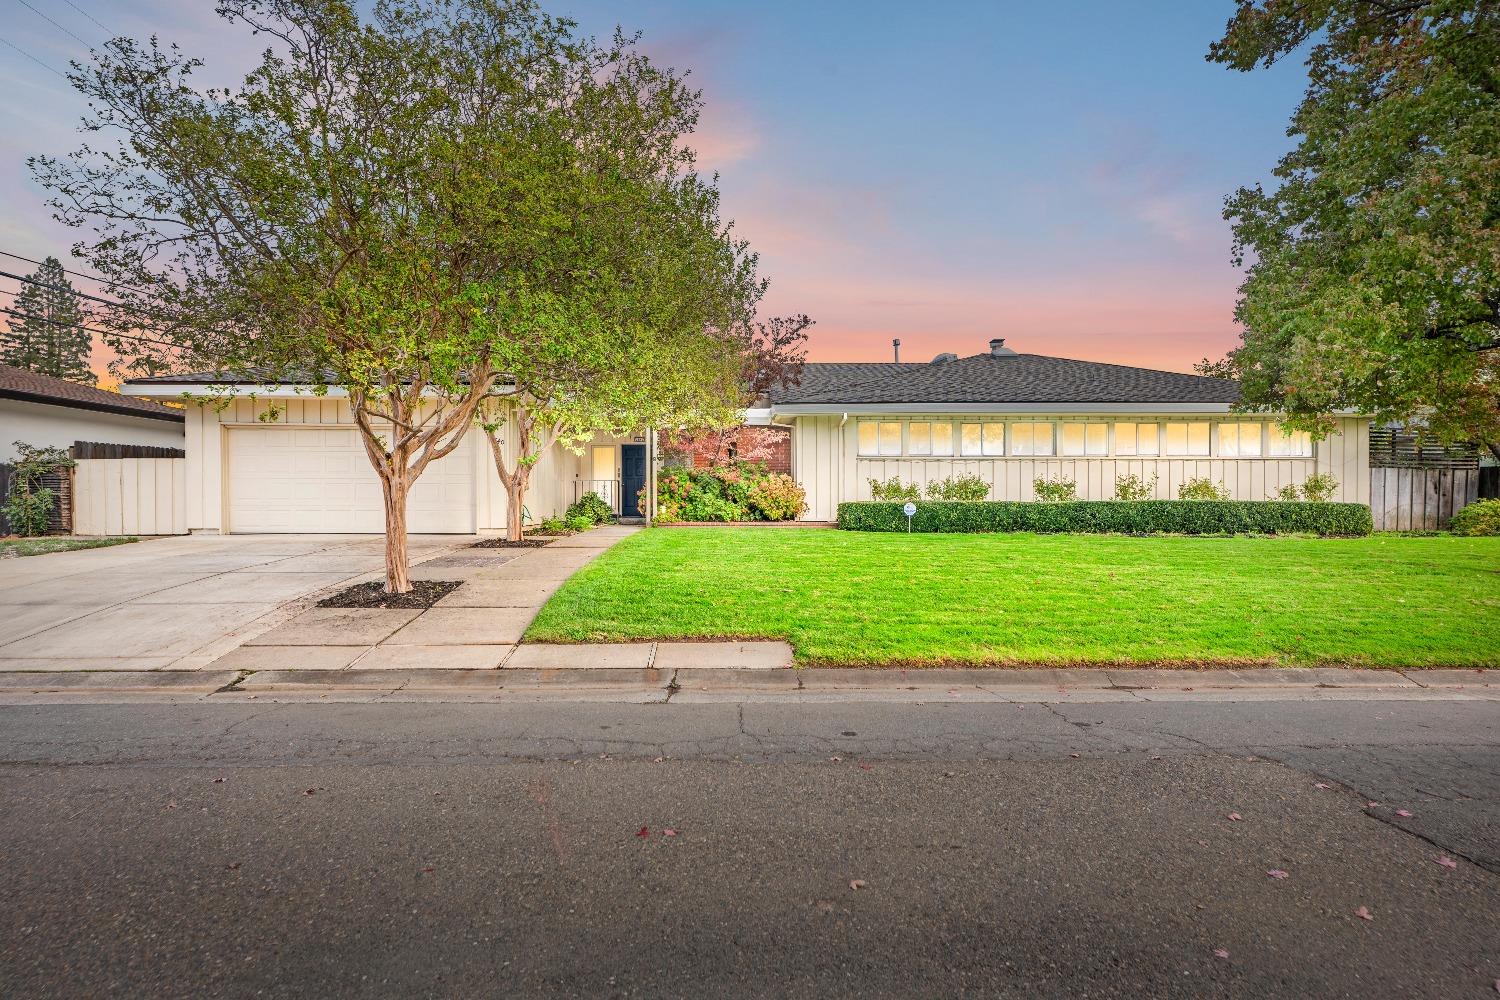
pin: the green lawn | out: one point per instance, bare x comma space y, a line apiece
865, 598
46, 544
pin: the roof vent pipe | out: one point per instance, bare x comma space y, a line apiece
896, 348
999, 350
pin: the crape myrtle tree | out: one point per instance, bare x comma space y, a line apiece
46, 332
388, 205
1374, 262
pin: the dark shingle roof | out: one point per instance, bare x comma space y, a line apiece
18, 383
824, 376
252, 376
1015, 378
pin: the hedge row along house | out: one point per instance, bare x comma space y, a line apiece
275, 458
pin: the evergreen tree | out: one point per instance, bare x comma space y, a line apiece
46, 332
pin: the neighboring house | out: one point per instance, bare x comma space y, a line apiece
264, 457
1013, 418
45, 411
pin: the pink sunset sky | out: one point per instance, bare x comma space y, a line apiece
941, 176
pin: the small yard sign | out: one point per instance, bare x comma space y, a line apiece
909, 510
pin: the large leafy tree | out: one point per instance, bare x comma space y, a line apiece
46, 331
393, 206
1373, 277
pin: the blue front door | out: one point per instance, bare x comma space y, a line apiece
632, 478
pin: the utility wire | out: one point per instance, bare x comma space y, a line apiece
88, 329
63, 288
76, 274
54, 24
91, 17
28, 55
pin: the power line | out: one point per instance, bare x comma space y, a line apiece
54, 24
88, 329
63, 288
28, 55
91, 17
76, 274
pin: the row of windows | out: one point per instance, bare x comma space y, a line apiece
935, 439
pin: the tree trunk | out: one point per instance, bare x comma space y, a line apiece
397, 564
515, 499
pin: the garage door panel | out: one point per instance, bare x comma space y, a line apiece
319, 480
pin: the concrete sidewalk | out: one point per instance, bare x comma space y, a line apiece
699, 685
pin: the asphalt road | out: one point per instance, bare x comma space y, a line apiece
836, 850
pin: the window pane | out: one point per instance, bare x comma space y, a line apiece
970, 438
867, 437
1041, 436
1098, 439
942, 439
1302, 444
1177, 439
1073, 439
890, 438
919, 439
1197, 435
1147, 439
994, 439
1250, 440
1229, 440
1125, 439
1288, 444
603, 462
1020, 439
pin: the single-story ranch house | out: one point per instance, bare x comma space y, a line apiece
274, 458
48, 412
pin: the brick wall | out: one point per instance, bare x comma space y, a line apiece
771, 446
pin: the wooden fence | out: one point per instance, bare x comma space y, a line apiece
1407, 499
130, 496
100, 449
60, 522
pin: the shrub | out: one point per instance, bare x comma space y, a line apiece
1133, 488
1317, 488
1202, 489
958, 489
778, 497
28, 506
1207, 517
554, 526
1057, 490
592, 506
894, 489
578, 522
1479, 518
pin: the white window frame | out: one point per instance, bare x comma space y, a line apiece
1240, 433
1093, 439
1188, 451
880, 449
911, 439
1029, 449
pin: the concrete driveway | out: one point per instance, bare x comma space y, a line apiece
173, 603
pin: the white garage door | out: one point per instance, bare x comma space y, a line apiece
318, 479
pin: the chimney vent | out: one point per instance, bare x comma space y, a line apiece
896, 348
999, 350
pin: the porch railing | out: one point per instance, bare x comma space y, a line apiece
608, 490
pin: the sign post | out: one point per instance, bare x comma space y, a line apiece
909, 510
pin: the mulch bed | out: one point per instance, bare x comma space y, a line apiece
423, 594
506, 543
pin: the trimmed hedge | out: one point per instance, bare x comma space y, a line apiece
1177, 517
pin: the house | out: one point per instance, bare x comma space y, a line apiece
276, 458
1012, 418
52, 412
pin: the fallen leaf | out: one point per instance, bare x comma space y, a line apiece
1235, 817
218, 781
658, 760
1187, 689
311, 791
1321, 785
865, 767
171, 805
1074, 755
669, 832
1447, 862
1221, 952
856, 884
1372, 805
233, 865
1276, 873
1406, 813
427, 869
835, 760
1363, 913
644, 831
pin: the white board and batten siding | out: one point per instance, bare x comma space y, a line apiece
130, 496
826, 461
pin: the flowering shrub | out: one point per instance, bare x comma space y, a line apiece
741, 492
778, 497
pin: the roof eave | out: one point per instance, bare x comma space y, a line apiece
99, 407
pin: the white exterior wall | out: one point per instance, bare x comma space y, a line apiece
45, 425
130, 496
206, 474
825, 460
